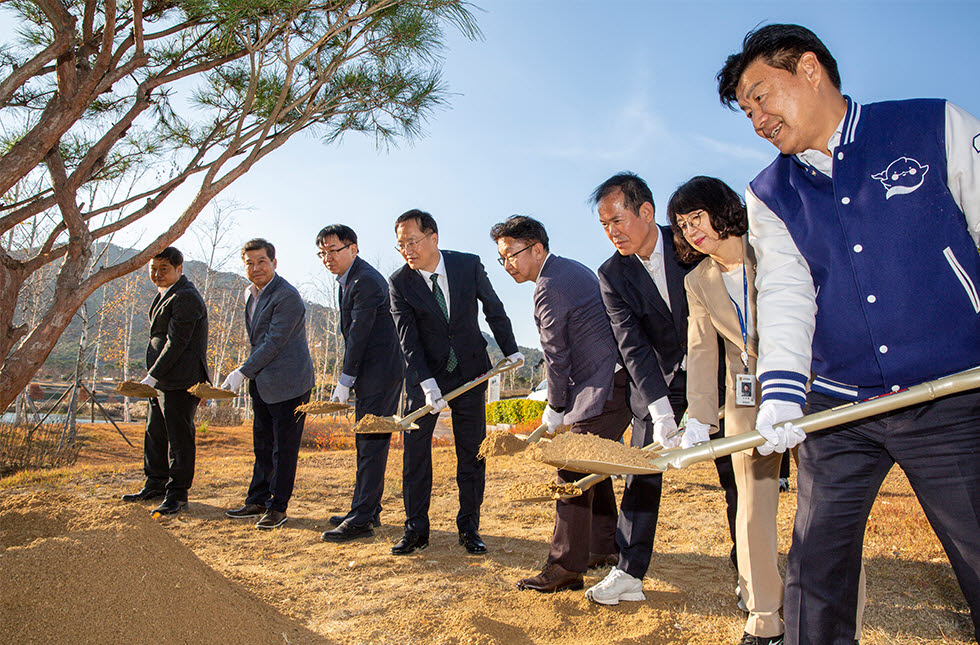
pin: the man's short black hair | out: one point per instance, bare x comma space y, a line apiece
344, 233
722, 205
171, 255
425, 221
779, 46
521, 227
258, 244
635, 191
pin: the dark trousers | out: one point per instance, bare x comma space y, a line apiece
276, 434
839, 473
372, 456
168, 445
469, 416
587, 524
640, 507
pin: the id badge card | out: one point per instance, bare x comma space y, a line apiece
744, 389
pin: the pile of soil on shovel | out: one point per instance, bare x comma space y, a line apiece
588, 447
373, 424
207, 392
77, 570
322, 407
553, 490
501, 444
135, 390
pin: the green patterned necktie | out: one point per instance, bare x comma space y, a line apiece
451, 362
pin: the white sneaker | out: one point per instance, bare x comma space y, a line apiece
616, 586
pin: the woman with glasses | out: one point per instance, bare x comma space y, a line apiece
710, 225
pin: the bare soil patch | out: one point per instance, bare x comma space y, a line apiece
358, 593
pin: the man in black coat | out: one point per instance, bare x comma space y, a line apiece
434, 302
372, 368
176, 359
642, 287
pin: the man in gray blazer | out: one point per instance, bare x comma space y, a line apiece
585, 392
280, 373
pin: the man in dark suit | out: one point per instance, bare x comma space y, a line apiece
434, 302
585, 392
643, 290
176, 359
372, 368
280, 373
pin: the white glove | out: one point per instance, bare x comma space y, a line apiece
781, 439
664, 426
233, 381
695, 432
516, 356
552, 418
149, 380
433, 395
340, 393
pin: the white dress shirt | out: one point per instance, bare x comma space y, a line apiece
655, 267
443, 280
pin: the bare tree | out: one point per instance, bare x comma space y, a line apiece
153, 94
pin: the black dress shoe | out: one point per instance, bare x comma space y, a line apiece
145, 494
170, 506
347, 531
271, 520
472, 542
337, 520
410, 543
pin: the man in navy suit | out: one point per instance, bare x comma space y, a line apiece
372, 368
434, 302
585, 392
176, 359
643, 290
280, 373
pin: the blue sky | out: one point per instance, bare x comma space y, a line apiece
561, 94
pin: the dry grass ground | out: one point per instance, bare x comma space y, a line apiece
359, 593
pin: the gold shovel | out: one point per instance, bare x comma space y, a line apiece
682, 458
394, 424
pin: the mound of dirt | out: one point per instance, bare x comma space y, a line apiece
207, 391
498, 444
322, 407
588, 447
135, 390
81, 571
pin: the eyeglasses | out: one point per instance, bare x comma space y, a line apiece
411, 245
332, 253
693, 221
510, 258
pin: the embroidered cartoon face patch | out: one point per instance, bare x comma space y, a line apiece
902, 176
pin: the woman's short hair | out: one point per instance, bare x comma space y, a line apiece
723, 206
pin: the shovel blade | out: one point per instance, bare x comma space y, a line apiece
603, 467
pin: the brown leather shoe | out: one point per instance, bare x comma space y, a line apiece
600, 560
554, 578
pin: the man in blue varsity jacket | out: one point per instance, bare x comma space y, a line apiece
866, 229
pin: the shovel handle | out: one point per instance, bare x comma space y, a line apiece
503, 365
846, 413
535, 436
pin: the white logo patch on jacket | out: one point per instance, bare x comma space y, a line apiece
902, 176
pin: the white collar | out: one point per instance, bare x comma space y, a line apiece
440, 269
541, 268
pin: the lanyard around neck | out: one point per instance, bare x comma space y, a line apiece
742, 322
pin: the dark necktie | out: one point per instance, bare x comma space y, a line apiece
451, 362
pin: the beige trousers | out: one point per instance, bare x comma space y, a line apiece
757, 480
